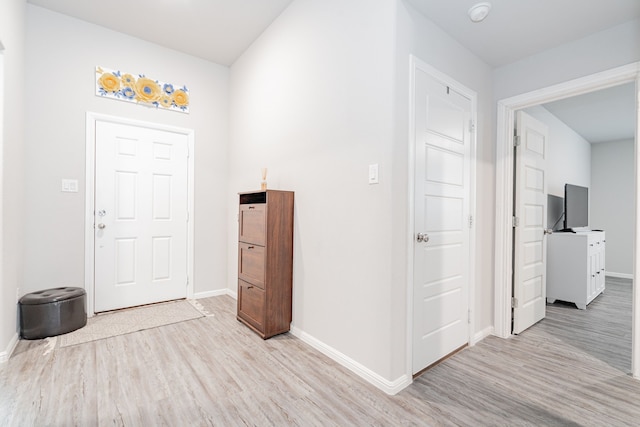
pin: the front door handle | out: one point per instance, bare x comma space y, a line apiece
422, 237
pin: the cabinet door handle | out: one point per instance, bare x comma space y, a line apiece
250, 247
252, 207
249, 287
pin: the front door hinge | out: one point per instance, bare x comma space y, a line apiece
472, 126
470, 221
514, 302
516, 141
516, 221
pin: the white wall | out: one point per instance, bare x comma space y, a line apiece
612, 201
569, 160
62, 53
598, 52
419, 36
312, 100
12, 14
322, 94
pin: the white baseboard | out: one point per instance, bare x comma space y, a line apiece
389, 387
208, 294
480, 335
216, 293
5, 355
619, 275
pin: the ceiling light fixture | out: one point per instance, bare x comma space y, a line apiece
479, 11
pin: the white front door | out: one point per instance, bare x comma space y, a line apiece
140, 216
442, 233
530, 244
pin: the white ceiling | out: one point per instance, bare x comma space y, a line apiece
516, 29
602, 116
216, 30
221, 30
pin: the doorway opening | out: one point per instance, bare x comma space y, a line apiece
504, 189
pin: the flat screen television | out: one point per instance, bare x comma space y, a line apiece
576, 206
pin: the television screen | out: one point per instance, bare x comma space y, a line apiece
576, 206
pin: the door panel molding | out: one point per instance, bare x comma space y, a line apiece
529, 278
417, 64
504, 188
90, 166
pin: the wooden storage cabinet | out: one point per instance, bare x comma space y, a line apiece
576, 267
265, 261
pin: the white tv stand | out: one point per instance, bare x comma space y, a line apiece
575, 267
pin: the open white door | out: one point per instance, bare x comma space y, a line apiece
141, 216
530, 218
442, 228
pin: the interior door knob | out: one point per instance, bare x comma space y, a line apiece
548, 231
101, 226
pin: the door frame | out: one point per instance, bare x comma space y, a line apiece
414, 64
504, 188
90, 166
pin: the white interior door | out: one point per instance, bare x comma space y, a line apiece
442, 230
140, 216
530, 244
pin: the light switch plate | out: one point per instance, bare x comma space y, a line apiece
69, 185
373, 174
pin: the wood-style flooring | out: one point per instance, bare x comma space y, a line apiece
215, 371
603, 330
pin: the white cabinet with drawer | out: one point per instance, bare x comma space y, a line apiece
575, 267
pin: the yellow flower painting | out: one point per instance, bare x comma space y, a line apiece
141, 89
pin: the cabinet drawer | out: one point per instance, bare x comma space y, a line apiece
251, 263
596, 243
251, 304
252, 224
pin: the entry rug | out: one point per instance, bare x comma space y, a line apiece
132, 320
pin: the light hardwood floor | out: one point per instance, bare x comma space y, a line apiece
214, 371
603, 330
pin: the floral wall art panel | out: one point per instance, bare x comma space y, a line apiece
140, 89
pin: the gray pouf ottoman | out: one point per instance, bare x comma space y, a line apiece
52, 312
